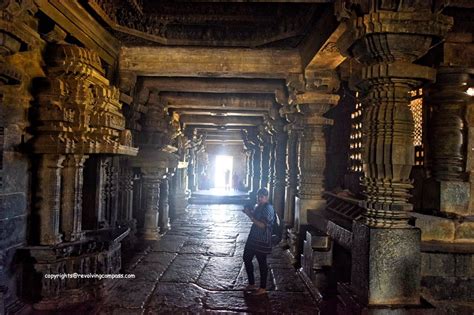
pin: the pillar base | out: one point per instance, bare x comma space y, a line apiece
386, 265
150, 234
449, 197
349, 303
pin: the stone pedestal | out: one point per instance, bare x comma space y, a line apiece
386, 265
450, 197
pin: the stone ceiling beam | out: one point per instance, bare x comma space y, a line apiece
315, 41
210, 62
328, 57
72, 17
226, 102
220, 121
209, 85
219, 112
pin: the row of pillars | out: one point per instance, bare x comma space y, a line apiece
118, 198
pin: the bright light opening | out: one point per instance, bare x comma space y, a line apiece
223, 173
470, 91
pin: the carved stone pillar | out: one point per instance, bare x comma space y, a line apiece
71, 197
272, 171
49, 198
450, 126
125, 194
257, 169
386, 43
312, 151
292, 173
151, 196
249, 154
265, 161
280, 171
178, 197
164, 205
109, 192
192, 170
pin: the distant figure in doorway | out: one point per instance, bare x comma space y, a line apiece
235, 181
259, 241
227, 179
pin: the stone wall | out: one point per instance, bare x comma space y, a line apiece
19, 62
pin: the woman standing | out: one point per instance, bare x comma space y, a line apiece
259, 241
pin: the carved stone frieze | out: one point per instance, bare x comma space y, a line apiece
79, 111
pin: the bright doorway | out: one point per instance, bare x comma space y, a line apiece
223, 172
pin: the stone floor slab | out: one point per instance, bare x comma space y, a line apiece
130, 294
237, 301
292, 303
176, 297
169, 244
185, 268
220, 273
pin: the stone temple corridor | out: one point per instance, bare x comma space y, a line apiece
197, 267
124, 123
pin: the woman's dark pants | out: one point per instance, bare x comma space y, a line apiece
249, 253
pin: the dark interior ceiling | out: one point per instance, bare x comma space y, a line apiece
185, 23
216, 107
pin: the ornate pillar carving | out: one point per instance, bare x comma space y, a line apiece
164, 205
280, 168
79, 115
151, 194
49, 201
386, 40
125, 215
265, 147
257, 168
292, 174
71, 197
249, 154
450, 126
312, 105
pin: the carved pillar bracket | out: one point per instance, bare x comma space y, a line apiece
387, 43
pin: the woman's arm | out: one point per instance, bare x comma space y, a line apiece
258, 223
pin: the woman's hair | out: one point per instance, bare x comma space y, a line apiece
262, 192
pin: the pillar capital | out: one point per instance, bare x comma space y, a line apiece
386, 36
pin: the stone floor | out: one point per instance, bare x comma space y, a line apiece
197, 268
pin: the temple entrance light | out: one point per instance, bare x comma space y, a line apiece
223, 171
